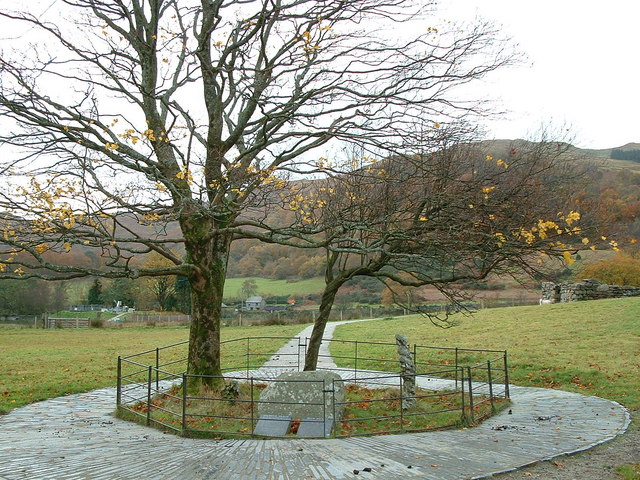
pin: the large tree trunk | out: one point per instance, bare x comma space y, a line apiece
209, 257
204, 335
326, 303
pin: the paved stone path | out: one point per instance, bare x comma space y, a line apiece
76, 437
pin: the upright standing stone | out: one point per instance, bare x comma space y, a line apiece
408, 372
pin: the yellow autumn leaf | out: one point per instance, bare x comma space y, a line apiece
43, 247
567, 257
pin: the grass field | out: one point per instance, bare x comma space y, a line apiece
41, 364
586, 347
77, 289
267, 287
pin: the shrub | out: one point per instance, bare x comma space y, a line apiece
97, 323
622, 269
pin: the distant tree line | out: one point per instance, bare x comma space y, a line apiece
31, 297
35, 296
618, 154
160, 293
621, 269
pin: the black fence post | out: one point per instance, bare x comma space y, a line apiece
463, 394
471, 415
252, 409
401, 404
184, 403
490, 385
157, 367
506, 377
461, 372
119, 383
324, 406
248, 350
333, 403
355, 364
149, 395
415, 357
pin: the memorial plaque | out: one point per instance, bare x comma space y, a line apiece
315, 427
272, 426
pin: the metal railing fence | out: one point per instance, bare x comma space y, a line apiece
154, 386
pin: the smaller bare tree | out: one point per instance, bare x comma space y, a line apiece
437, 218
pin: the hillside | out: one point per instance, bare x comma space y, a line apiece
602, 158
611, 194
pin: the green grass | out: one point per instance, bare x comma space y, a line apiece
629, 472
267, 287
587, 347
41, 364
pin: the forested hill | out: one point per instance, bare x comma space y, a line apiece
612, 193
602, 157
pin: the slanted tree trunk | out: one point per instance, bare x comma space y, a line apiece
326, 303
331, 287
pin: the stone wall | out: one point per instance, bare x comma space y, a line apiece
589, 289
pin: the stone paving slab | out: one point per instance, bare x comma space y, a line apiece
76, 437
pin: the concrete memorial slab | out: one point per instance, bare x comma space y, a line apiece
301, 395
315, 427
272, 426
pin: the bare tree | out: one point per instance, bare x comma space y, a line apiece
446, 216
162, 288
143, 113
249, 288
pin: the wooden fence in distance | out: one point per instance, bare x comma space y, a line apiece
67, 322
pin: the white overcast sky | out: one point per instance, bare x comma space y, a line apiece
582, 68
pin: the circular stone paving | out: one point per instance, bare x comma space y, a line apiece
76, 437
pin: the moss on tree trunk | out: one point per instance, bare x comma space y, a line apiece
208, 255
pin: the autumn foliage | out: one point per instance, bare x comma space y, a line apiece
621, 269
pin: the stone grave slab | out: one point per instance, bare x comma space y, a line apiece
272, 425
305, 395
315, 427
